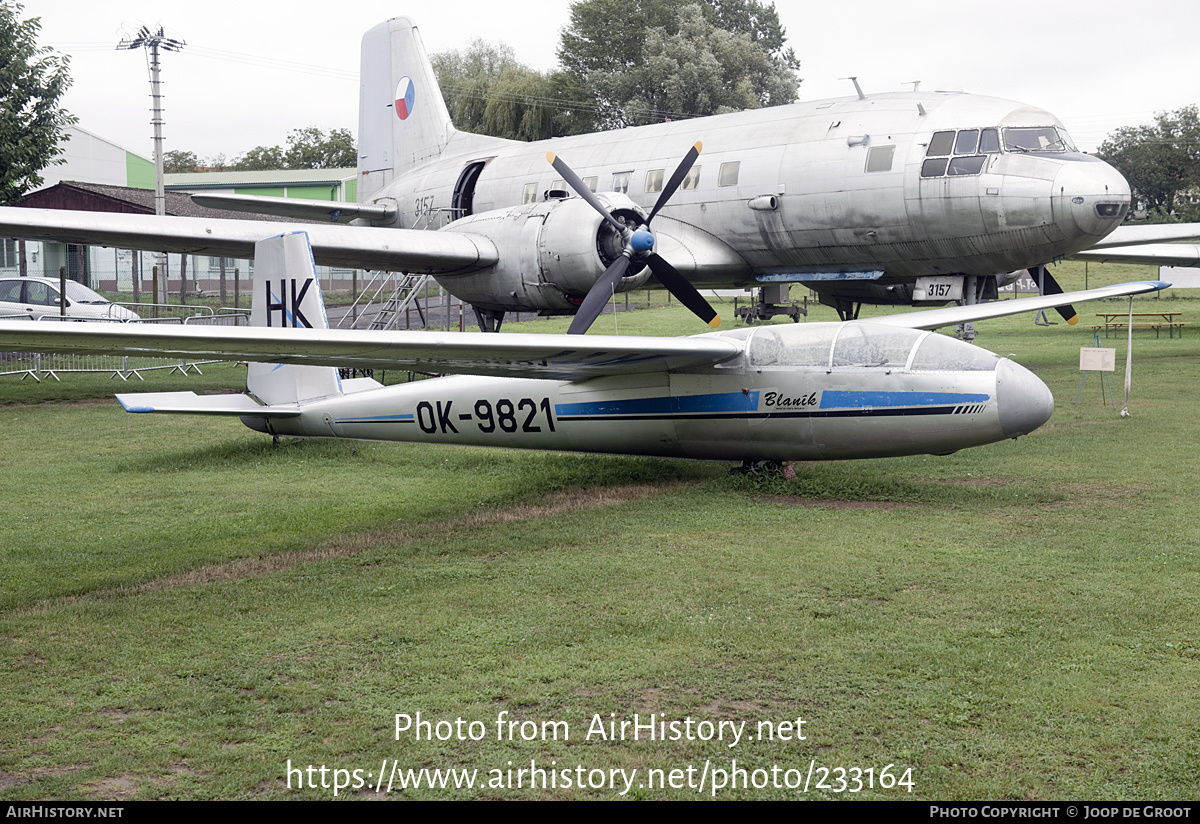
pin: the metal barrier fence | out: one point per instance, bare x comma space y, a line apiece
40, 365
176, 313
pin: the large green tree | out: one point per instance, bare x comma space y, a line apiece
487, 91
32, 81
625, 62
1161, 161
648, 60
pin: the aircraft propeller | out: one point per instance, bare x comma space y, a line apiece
1047, 285
638, 243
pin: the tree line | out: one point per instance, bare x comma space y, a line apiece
307, 148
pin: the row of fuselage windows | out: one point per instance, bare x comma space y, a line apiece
727, 175
962, 152
965, 151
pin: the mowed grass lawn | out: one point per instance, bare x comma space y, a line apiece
187, 610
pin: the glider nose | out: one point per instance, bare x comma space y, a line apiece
1024, 402
1094, 196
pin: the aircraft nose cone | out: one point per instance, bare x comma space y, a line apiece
1094, 195
1024, 402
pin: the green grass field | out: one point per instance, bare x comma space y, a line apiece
187, 610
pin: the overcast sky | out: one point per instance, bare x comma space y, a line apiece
252, 71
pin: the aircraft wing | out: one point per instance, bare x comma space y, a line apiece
1152, 244
951, 315
555, 357
355, 247
296, 208
1136, 235
1156, 254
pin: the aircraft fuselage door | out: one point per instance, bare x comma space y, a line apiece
463, 201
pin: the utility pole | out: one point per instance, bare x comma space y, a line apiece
153, 42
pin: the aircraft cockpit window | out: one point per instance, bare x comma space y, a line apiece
654, 181
529, 193
792, 346
940, 145
966, 165
968, 147
967, 142
874, 346
1037, 139
728, 173
941, 353
934, 167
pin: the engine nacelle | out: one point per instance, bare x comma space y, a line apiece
550, 254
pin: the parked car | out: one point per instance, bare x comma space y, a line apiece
38, 297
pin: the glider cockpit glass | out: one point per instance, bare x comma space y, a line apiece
792, 347
938, 353
861, 346
833, 346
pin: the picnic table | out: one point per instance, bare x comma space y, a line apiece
1116, 321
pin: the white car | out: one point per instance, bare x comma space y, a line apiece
36, 298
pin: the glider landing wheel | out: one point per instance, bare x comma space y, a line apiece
765, 469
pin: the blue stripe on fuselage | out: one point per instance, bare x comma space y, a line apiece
378, 419
855, 399
683, 405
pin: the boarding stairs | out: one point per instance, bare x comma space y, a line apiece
401, 290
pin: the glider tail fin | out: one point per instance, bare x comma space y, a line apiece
288, 293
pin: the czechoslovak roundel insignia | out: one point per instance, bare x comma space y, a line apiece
406, 96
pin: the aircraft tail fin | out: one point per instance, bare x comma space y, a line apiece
288, 293
402, 119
